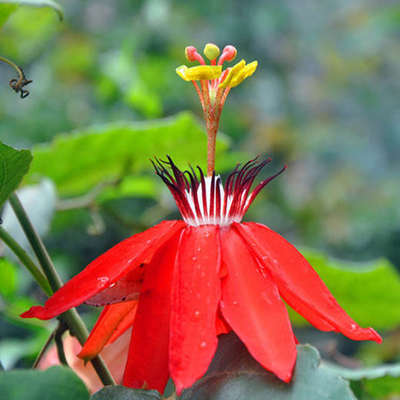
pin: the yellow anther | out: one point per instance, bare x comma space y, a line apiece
199, 73
211, 51
234, 71
239, 73
247, 71
181, 71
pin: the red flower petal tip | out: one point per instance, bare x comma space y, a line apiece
374, 335
36, 312
286, 376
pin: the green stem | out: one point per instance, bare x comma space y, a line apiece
15, 66
58, 334
44, 349
36, 243
26, 260
70, 317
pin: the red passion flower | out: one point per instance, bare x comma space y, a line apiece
180, 284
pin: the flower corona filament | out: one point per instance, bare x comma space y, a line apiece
206, 200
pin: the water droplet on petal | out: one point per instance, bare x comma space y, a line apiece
197, 313
148, 241
235, 303
102, 281
353, 327
199, 249
203, 344
112, 285
194, 258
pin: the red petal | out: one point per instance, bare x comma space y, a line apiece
253, 308
106, 324
299, 284
125, 289
147, 364
106, 269
221, 325
195, 299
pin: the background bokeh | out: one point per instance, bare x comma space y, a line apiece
324, 100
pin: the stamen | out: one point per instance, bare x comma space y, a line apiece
213, 85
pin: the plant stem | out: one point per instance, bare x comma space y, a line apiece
15, 66
44, 349
58, 334
212, 129
17, 84
26, 260
36, 243
70, 317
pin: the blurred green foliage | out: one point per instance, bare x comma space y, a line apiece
78, 161
323, 99
367, 291
105, 98
54, 383
14, 165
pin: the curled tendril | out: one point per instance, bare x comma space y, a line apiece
18, 84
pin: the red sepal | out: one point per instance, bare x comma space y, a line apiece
253, 308
108, 321
299, 284
106, 269
124, 325
195, 299
147, 364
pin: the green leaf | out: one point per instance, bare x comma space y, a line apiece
367, 291
234, 374
382, 388
5, 11
364, 373
77, 162
8, 278
124, 393
59, 383
14, 164
138, 186
379, 381
32, 3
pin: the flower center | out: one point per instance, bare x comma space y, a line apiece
206, 200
